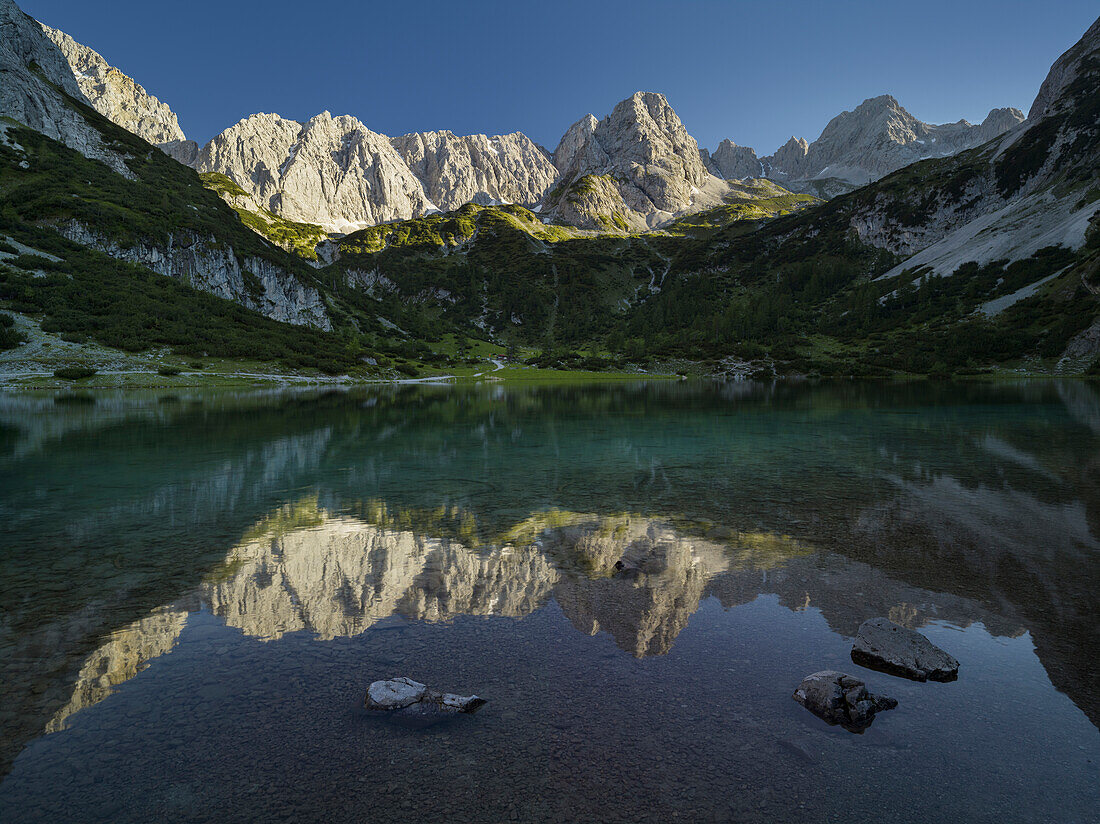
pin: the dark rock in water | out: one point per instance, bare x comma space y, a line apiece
885, 646
841, 699
418, 702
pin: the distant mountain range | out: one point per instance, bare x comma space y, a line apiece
971, 248
337, 173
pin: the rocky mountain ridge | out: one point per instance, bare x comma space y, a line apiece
855, 148
636, 169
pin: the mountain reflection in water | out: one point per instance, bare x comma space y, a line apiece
627, 509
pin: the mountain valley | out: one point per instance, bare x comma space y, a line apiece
886, 247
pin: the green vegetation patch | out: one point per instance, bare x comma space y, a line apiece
300, 238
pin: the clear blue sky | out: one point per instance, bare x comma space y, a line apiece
756, 72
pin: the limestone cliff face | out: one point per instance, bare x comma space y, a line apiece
454, 170
116, 96
791, 155
39, 90
578, 151
335, 172
31, 66
332, 171
1056, 93
182, 151
211, 267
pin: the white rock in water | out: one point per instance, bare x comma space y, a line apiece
394, 694
883, 645
404, 693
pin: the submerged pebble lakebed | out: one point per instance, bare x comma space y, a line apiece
197, 590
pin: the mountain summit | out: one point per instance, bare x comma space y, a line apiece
878, 137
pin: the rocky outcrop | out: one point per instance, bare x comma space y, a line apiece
209, 266
578, 150
182, 151
883, 645
1056, 91
455, 170
791, 155
116, 96
841, 699
37, 88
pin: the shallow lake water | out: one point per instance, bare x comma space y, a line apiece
196, 590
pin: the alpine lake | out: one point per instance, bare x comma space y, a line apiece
197, 589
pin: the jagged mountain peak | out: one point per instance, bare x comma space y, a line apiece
880, 102
732, 162
330, 170
879, 136
643, 145
641, 104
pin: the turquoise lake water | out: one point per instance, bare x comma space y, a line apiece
196, 590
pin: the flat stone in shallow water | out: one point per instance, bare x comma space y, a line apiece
885, 646
417, 703
841, 699
394, 694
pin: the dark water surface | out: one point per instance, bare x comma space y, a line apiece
195, 592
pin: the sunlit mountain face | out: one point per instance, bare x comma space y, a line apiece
636, 576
